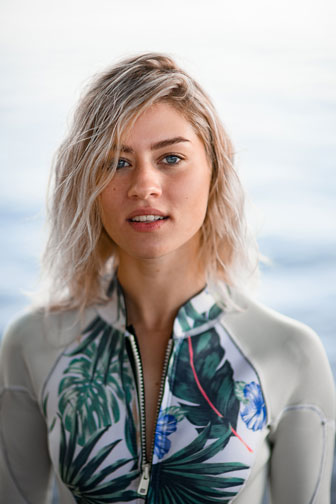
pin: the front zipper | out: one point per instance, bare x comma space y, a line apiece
146, 465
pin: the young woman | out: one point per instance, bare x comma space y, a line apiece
149, 376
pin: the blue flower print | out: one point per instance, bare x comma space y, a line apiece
254, 412
166, 425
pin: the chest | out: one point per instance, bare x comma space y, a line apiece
205, 434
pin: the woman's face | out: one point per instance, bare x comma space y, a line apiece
157, 200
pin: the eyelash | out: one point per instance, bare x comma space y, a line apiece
119, 167
179, 158
172, 156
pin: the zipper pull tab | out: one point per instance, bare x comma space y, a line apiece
144, 480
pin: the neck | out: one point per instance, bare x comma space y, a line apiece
155, 289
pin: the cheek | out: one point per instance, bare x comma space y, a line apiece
108, 198
195, 202
197, 189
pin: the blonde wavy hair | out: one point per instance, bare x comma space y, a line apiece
79, 254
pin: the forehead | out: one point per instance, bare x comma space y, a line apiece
157, 123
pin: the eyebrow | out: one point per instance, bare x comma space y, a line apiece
157, 145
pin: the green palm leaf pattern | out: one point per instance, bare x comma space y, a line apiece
79, 470
189, 318
94, 408
213, 395
186, 478
91, 385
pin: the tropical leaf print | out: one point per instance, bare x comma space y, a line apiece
187, 478
91, 386
239, 391
205, 380
80, 470
93, 407
131, 433
189, 318
176, 411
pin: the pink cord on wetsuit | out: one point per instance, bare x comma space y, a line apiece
201, 389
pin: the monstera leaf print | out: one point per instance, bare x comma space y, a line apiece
131, 432
91, 383
203, 379
189, 318
85, 473
187, 478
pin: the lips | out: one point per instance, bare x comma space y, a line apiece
147, 219
146, 215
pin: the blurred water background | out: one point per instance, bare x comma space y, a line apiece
271, 70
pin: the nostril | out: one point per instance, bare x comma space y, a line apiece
144, 190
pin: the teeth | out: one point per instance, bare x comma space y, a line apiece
146, 218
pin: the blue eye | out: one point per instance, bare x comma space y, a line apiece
122, 163
172, 159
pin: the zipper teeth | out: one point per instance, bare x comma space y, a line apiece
163, 379
141, 390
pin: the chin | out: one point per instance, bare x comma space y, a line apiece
158, 249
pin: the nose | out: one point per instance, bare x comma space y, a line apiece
145, 182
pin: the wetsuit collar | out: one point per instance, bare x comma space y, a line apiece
202, 309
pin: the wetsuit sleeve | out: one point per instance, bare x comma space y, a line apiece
303, 435
24, 459
302, 458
